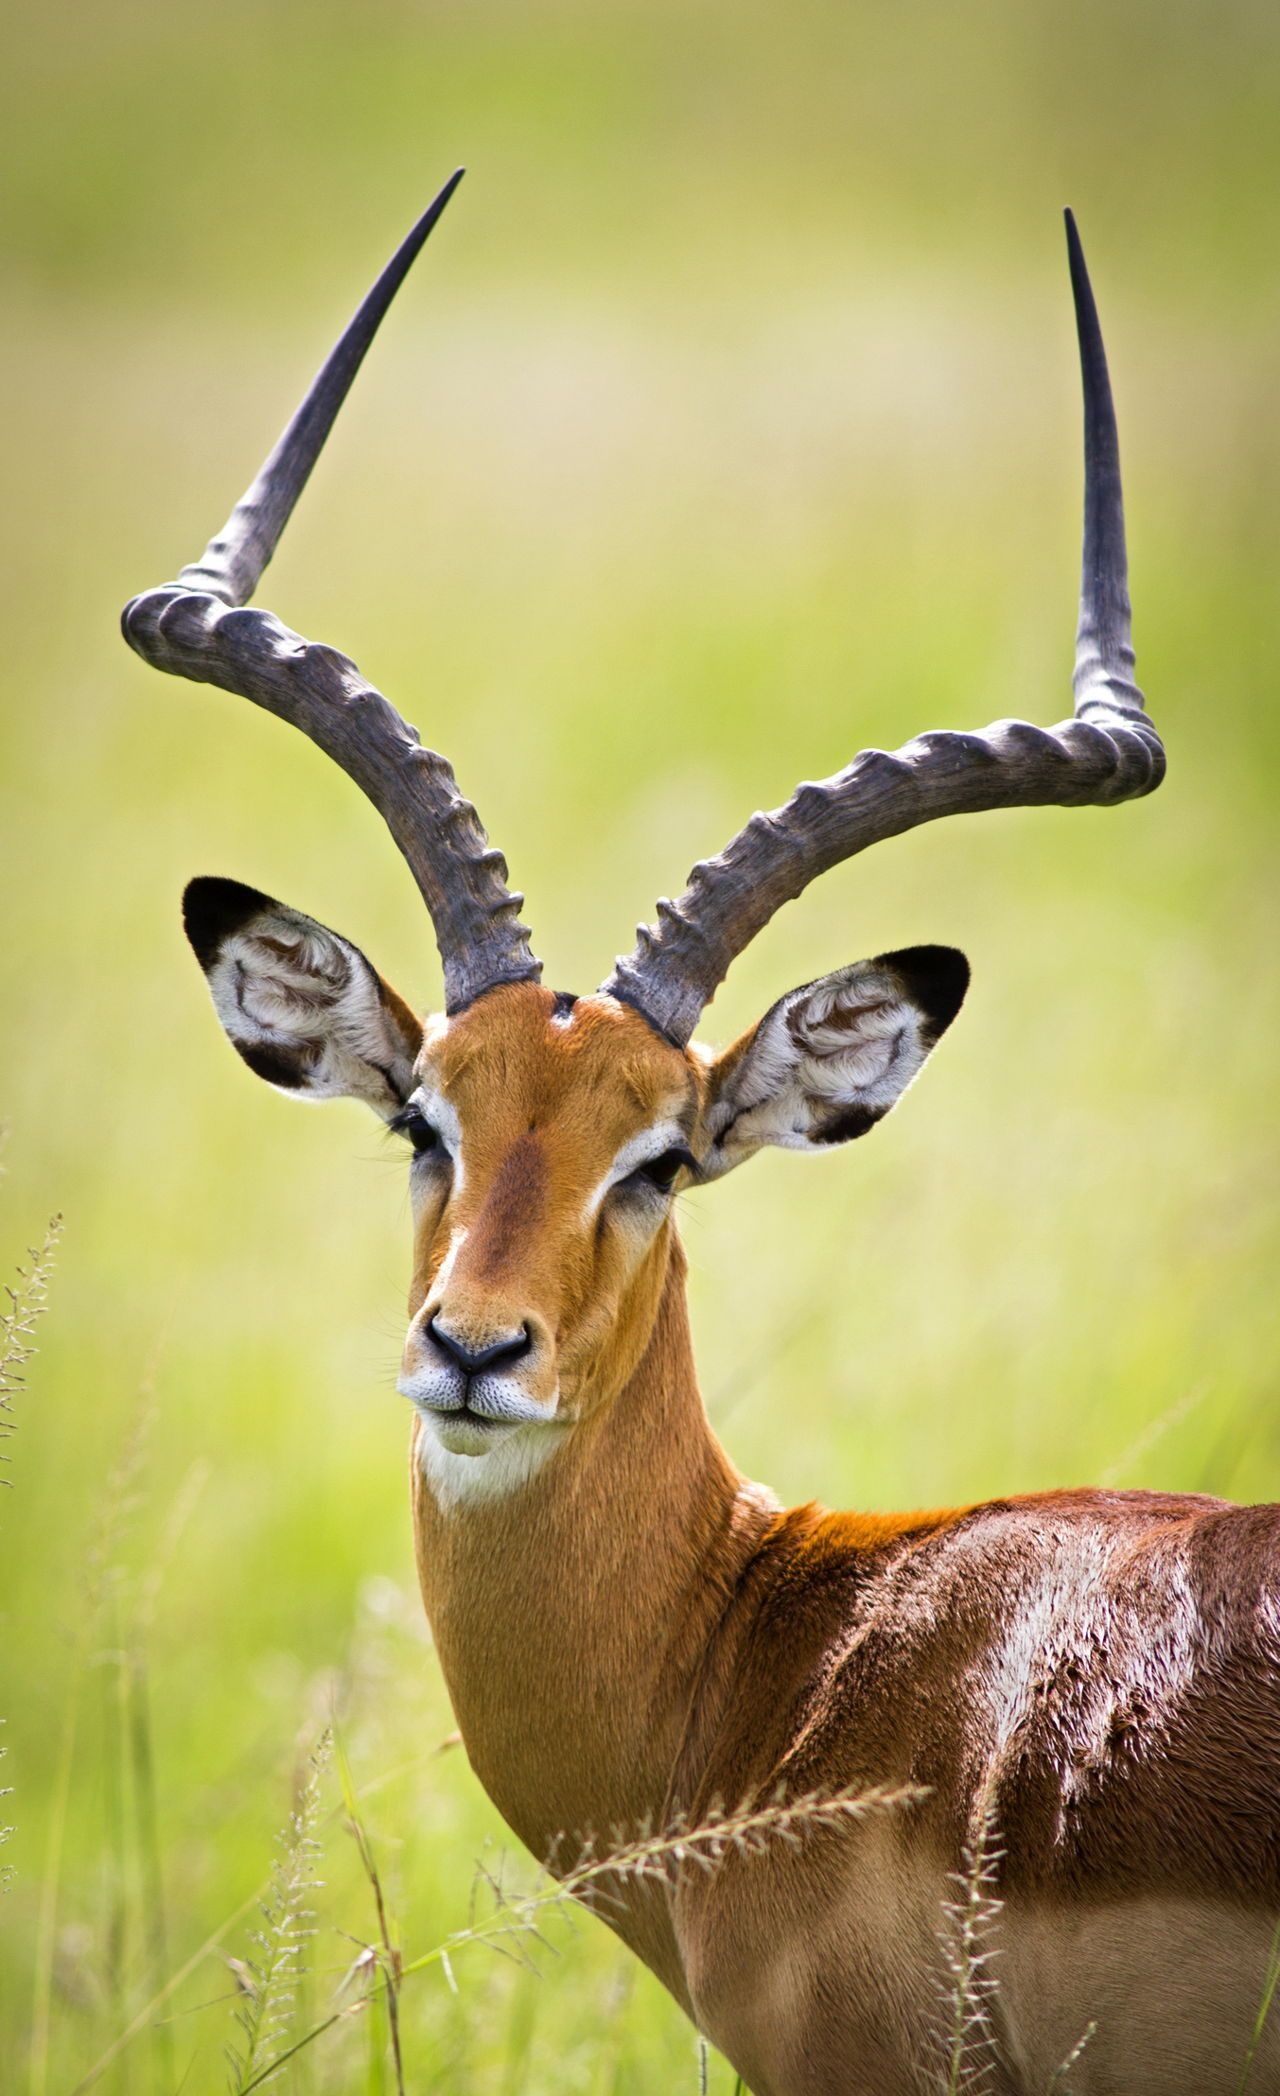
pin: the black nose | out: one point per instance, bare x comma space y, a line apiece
501, 1351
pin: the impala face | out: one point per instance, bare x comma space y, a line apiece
548, 1136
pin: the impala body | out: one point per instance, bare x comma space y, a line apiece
1069, 1701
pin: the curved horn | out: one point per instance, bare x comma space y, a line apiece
194, 628
1108, 751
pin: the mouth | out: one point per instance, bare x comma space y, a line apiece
464, 1431
469, 1415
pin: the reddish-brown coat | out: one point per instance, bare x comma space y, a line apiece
636, 1631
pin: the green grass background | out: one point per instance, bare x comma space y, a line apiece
729, 424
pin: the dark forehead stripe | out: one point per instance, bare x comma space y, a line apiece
564, 1003
514, 1206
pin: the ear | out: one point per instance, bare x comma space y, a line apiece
300, 1004
829, 1060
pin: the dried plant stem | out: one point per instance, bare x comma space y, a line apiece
1058, 2079
28, 1302
150, 2009
704, 1846
968, 1923
279, 1944
749, 1830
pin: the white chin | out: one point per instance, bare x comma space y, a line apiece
463, 1437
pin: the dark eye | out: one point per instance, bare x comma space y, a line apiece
661, 1171
409, 1121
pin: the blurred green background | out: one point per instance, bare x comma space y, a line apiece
730, 423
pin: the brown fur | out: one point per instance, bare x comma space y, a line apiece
636, 1631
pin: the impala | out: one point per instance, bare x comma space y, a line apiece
633, 1633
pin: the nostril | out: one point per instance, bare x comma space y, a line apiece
521, 1344
472, 1359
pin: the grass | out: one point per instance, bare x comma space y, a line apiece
1265, 2005
28, 1299
271, 1992
731, 425
269, 1980
969, 1935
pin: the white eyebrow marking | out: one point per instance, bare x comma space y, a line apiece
642, 1149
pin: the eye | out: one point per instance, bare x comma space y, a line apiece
411, 1121
661, 1172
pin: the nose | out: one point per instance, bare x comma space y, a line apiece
471, 1360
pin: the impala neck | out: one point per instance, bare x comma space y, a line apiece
572, 1616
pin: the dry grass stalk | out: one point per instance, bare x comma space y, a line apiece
1058, 2082
969, 1923
749, 1831
148, 2013
268, 1978
28, 1302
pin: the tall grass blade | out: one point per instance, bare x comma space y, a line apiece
163, 1994
1269, 1986
389, 1960
141, 1757
102, 1577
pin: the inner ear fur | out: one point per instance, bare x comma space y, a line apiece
831, 1058
299, 1003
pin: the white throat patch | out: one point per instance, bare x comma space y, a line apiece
456, 1481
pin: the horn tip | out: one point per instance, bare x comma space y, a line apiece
436, 206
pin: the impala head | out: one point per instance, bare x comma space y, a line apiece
548, 1133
